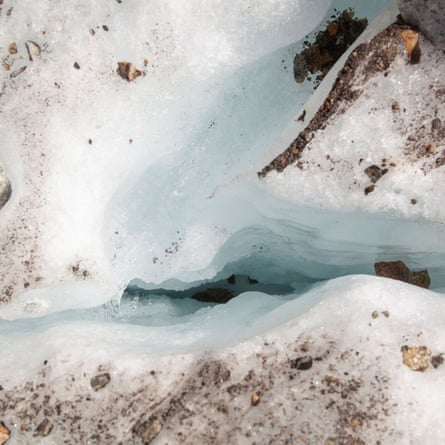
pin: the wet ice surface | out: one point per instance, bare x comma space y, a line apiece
180, 207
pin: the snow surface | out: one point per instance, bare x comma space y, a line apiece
166, 196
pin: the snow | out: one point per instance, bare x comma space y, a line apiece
166, 197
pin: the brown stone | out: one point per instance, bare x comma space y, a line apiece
12, 48
421, 279
147, 430
417, 358
411, 41
128, 71
100, 381
374, 172
5, 433
302, 363
396, 270
255, 399
44, 429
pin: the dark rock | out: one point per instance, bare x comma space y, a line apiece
214, 295
44, 428
328, 46
398, 270
436, 124
301, 363
437, 360
100, 381
374, 172
421, 279
369, 189
378, 55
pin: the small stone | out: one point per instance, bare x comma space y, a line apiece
411, 41
395, 106
436, 124
437, 360
421, 279
44, 428
428, 16
252, 280
386, 313
12, 48
369, 189
76, 66
413, 201
417, 358
396, 270
100, 381
105, 28
374, 172
127, 71
430, 149
147, 430
17, 72
375, 314
5, 433
254, 399
33, 50
301, 363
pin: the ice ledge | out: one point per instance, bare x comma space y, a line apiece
337, 372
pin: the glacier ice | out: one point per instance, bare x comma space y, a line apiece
75, 140
154, 184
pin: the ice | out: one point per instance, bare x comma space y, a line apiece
153, 185
74, 140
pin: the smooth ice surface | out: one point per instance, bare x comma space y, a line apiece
90, 154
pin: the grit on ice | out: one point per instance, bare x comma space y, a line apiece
189, 236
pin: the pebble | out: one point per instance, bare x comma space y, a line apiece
33, 50
428, 16
417, 358
44, 428
5, 433
100, 381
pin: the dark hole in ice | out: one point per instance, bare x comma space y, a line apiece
139, 305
